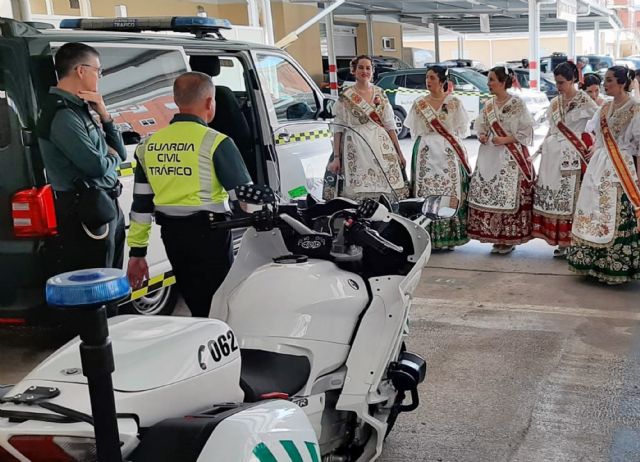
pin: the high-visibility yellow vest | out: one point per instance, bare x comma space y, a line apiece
178, 163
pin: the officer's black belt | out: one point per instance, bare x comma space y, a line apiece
195, 219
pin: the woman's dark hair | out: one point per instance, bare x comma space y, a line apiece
624, 76
590, 79
442, 73
504, 75
354, 62
568, 70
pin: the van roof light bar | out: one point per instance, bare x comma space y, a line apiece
199, 26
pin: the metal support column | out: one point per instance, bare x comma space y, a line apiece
436, 39
370, 38
571, 37
331, 53
460, 47
21, 10
253, 13
268, 21
534, 44
596, 37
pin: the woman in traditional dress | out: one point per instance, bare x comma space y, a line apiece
500, 193
564, 155
606, 240
591, 85
364, 108
438, 123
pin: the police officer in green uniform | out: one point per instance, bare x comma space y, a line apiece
75, 148
185, 175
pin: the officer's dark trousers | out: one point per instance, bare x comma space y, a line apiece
200, 258
73, 249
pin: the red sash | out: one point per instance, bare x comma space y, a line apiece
622, 169
518, 152
430, 116
361, 104
569, 135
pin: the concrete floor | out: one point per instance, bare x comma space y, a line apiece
526, 362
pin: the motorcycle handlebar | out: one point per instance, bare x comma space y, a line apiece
234, 223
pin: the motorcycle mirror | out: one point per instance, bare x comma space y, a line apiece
440, 207
255, 194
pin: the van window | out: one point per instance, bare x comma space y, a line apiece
137, 86
231, 74
416, 81
292, 96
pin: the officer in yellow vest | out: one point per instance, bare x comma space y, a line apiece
185, 175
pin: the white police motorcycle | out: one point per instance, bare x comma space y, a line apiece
302, 358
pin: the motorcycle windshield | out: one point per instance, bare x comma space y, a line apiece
368, 166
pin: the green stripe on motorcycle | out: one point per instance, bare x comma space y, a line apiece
311, 447
261, 451
291, 449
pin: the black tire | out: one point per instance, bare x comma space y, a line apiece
160, 302
401, 130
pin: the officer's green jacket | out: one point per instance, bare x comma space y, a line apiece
182, 169
74, 146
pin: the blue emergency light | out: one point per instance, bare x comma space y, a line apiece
90, 287
193, 24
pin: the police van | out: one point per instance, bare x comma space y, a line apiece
266, 103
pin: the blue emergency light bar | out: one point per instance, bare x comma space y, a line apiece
192, 24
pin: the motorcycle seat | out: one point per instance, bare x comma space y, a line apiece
265, 372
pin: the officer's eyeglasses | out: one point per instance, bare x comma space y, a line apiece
97, 69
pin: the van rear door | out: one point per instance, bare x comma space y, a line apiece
20, 267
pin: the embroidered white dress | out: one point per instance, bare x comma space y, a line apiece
362, 171
558, 180
606, 243
436, 167
499, 194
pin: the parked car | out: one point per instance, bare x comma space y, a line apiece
632, 62
599, 63
346, 78
404, 86
547, 82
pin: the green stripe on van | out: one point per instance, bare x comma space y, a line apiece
261, 451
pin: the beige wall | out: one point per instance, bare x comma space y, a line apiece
306, 50
491, 52
149, 8
62, 7
380, 29
39, 7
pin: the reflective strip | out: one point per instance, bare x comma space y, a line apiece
186, 210
205, 166
142, 188
281, 138
153, 284
142, 218
126, 168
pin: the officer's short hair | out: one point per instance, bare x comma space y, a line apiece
192, 87
70, 55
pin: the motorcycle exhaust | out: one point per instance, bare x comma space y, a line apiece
90, 293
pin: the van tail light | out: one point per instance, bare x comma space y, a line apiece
47, 448
33, 212
6, 457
